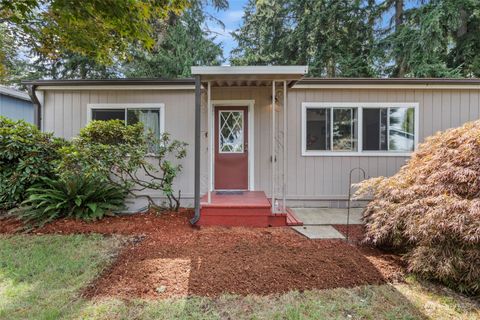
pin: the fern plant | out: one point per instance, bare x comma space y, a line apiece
80, 197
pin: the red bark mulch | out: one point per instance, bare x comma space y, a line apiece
9, 226
175, 259
355, 232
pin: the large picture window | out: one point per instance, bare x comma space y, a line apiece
359, 129
151, 115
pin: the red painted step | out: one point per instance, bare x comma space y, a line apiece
292, 219
247, 209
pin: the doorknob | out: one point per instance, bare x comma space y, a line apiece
245, 147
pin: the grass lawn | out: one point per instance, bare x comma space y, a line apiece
41, 277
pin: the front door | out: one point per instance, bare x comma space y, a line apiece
231, 148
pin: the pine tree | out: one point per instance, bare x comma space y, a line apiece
181, 43
438, 38
332, 36
264, 36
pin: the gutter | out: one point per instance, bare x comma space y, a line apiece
116, 82
37, 114
198, 97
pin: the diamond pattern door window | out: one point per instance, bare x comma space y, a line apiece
231, 131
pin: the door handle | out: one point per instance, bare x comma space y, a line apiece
245, 146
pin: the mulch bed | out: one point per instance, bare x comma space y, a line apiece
355, 232
175, 259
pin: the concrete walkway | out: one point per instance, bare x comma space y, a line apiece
317, 222
327, 216
319, 232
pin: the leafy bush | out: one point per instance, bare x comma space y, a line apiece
127, 157
71, 196
26, 154
431, 209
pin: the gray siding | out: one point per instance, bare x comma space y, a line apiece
16, 109
65, 113
323, 180
312, 180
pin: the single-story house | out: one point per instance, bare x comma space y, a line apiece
15, 104
265, 138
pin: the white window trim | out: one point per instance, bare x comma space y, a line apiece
159, 106
360, 106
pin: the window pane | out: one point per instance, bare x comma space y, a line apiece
108, 114
231, 131
318, 129
401, 129
149, 117
344, 129
375, 129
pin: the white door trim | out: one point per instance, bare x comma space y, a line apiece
251, 146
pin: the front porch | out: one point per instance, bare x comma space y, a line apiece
242, 208
241, 140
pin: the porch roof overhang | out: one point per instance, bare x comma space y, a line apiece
228, 76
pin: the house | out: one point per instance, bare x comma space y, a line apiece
265, 138
15, 104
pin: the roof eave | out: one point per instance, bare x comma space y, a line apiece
249, 70
14, 93
121, 82
387, 83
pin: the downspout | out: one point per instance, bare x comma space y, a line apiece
37, 112
196, 217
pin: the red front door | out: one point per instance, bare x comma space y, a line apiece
231, 148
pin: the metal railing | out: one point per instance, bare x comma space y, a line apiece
350, 196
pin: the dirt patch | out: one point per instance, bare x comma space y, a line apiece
172, 258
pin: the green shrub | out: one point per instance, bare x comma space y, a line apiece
127, 157
71, 196
26, 154
431, 209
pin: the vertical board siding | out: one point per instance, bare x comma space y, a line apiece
319, 178
65, 113
327, 177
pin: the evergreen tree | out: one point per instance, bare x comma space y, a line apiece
69, 65
438, 38
425, 38
265, 34
334, 37
182, 42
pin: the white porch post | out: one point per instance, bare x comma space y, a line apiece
273, 147
210, 143
285, 104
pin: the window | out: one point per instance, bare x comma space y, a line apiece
151, 115
358, 128
230, 131
331, 129
388, 129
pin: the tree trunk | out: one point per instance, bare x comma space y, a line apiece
398, 14
398, 23
331, 68
463, 27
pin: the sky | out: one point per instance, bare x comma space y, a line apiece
232, 19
